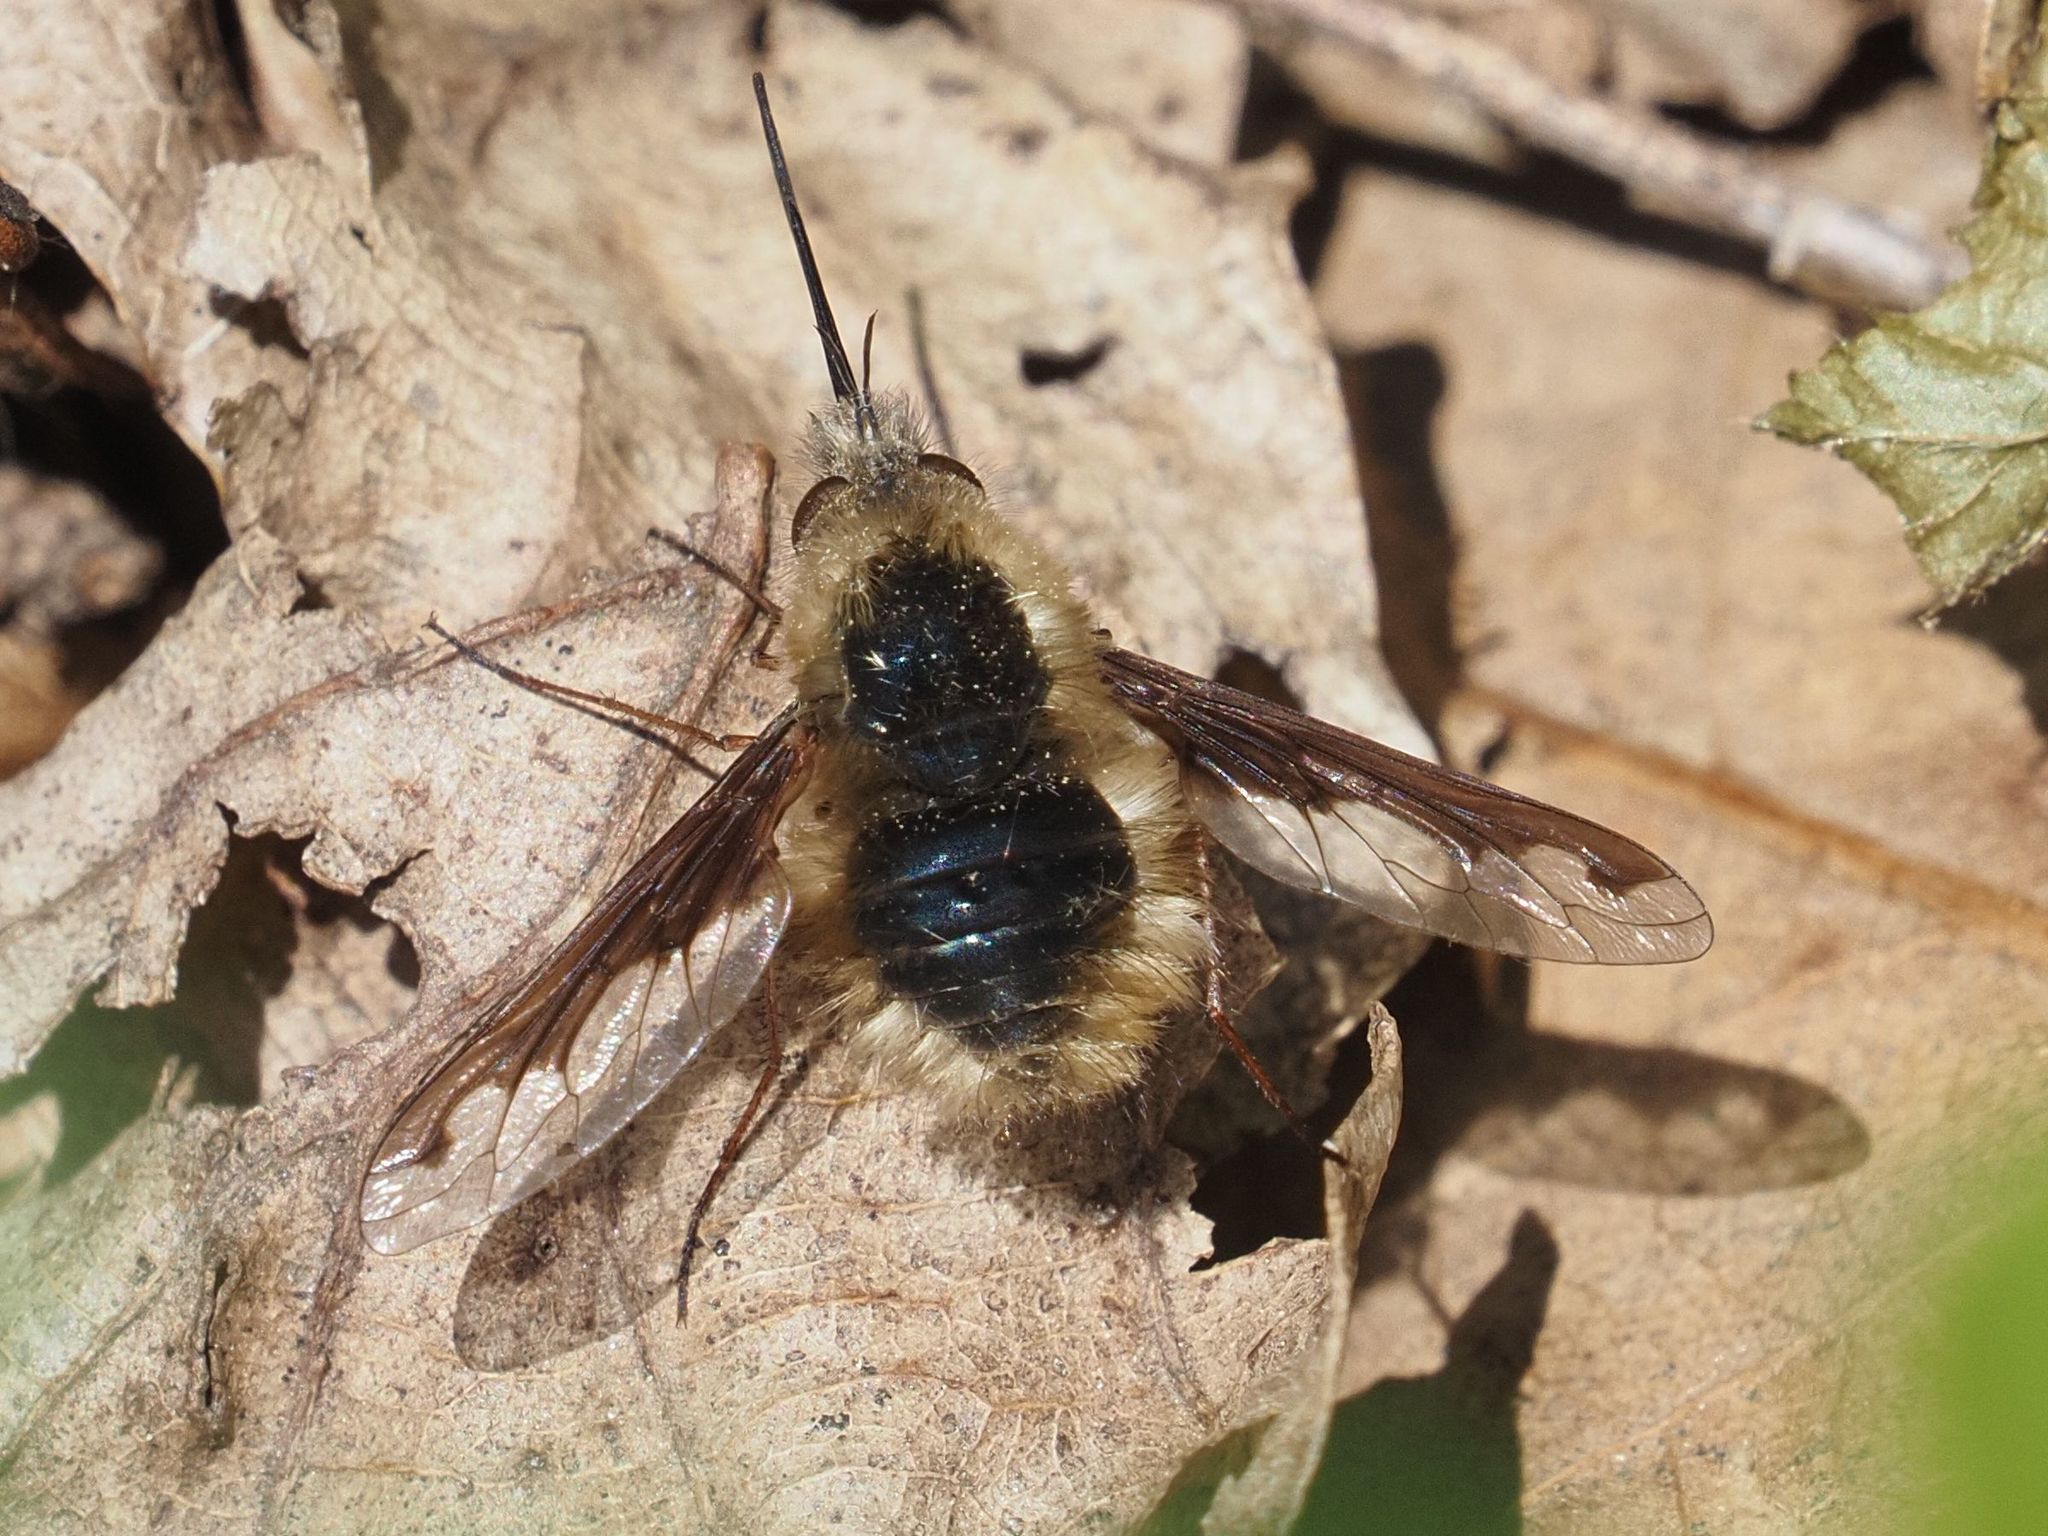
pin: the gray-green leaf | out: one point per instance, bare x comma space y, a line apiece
1946, 409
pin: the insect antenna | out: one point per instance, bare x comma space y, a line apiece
837, 363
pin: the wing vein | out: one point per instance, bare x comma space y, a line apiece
580, 1044
1415, 843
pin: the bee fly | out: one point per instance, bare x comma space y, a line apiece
984, 825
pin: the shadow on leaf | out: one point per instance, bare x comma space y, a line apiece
1423, 1455
104, 1067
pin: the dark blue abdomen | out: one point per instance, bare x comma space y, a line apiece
941, 676
977, 907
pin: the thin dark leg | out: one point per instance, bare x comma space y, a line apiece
1212, 1000
926, 378
695, 733
750, 590
729, 1154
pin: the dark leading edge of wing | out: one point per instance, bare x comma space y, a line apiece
1419, 845
554, 1068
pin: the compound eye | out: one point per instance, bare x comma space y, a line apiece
814, 503
939, 464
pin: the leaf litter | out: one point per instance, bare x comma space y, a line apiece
455, 321
1737, 1170
529, 282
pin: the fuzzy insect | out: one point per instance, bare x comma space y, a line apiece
985, 824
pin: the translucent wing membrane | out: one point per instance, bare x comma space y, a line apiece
559, 1064
1419, 845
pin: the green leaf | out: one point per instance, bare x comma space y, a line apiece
1946, 409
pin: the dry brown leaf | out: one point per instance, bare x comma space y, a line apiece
1650, 1234
1763, 63
1712, 1185
1276, 1480
1917, 151
1975, 45
113, 117
65, 554
459, 372
1172, 71
66, 558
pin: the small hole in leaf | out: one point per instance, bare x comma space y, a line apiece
894, 13
1251, 672
312, 596
264, 321
270, 964
1043, 366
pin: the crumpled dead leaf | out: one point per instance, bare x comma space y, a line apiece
66, 558
459, 374
1975, 45
1266, 1495
1764, 64
1942, 408
64, 553
1647, 1237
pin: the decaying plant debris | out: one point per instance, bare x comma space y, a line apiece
452, 310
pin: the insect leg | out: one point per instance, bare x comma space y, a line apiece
750, 590
696, 733
1212, 999
729, 1154
927, 379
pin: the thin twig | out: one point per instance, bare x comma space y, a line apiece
1821, 244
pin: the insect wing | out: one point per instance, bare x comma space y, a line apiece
1416, 844
559, 1065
